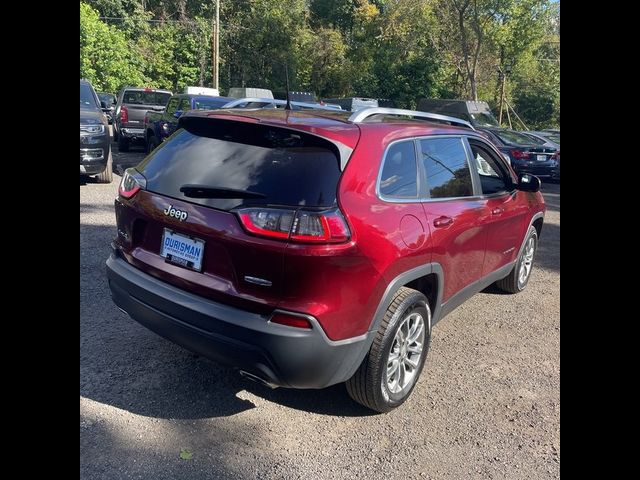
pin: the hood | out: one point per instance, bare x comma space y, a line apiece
92, 116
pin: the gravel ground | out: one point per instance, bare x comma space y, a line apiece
487, 404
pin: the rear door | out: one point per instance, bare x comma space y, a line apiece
506, 212
454, 210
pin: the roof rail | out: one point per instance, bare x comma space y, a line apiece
365, 113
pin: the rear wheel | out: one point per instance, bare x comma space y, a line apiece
389, 372
517, 280
152, 143
107, 175
123, 144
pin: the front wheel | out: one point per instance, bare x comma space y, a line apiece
518, 278
389, 372
123, 144
107, 175
152, 143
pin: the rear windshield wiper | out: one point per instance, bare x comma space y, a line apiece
203, 191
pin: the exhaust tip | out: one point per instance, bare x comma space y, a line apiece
257, 379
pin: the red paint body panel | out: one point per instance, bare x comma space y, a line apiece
339, 284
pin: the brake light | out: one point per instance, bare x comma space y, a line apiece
124, 114
290, 320
147, 89
303, 226
520, 154
132, 182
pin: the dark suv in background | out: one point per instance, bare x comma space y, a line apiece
133, 103
317, 247
95, 141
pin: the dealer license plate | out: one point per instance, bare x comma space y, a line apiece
182, 250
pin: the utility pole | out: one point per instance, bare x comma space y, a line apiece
501, 96
215, 44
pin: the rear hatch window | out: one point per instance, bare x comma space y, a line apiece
249, 164
139, 97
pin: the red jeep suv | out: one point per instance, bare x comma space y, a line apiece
312, 248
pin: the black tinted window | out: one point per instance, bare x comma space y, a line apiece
446, 167
172, 106
399, 173
138, 97
493, 177
185, 105
209, 104
287, 167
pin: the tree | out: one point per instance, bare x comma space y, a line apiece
105, 57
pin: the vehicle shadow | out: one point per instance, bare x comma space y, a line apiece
127, 366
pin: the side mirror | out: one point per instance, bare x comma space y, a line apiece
529, 183
177, 113
103, 104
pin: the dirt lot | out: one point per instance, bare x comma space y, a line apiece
487, 405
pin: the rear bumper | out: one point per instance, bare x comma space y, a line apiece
132, 132
280, 355
537, 170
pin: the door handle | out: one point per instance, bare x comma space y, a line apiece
497, 211
443, 221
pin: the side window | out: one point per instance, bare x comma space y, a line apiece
185, 105
172, 106
399, 177
493, 177
445, 164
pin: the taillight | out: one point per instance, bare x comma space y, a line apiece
304, 226
132, 182
124, 114
290, 320
520, 154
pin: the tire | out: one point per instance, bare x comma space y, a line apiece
514, 282
107, 175
152, 143
371, 385
123, 144
115, 133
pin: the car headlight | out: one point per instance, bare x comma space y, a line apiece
92, 129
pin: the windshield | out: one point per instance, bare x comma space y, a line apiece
484, 119
106, 98
209, 103
139, 97
512, 137
86, 96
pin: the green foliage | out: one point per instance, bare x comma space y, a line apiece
398, 49
105, 57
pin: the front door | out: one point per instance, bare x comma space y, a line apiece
454, 211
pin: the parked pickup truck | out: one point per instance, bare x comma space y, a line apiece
133, 103
159, 125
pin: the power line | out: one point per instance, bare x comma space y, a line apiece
186, 20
